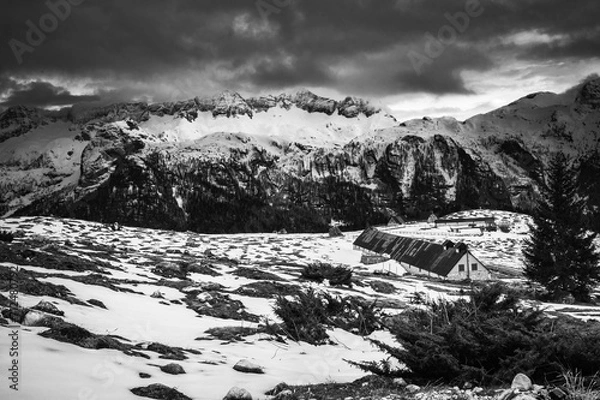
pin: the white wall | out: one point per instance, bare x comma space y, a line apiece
468, 261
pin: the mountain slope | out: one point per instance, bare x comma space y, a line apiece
229, 164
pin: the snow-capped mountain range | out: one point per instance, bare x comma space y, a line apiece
227, 164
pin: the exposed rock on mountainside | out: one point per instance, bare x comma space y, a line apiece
17, 120
229, 164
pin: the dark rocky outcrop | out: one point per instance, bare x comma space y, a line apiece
159, 391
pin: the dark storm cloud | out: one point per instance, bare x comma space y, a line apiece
42, 94
139, 44
302, 71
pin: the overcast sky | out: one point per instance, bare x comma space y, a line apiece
104, 51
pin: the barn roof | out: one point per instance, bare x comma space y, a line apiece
397, 218
460, 220
418, 253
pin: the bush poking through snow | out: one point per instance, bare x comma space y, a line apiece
487, 340
307, 315
6, 236
318, 272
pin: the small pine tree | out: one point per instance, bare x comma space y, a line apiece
560, 253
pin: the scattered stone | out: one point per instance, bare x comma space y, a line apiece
48, 307
248, 367
412, 388
97, 303
160, 392
36, 318
521, 382
198, 287
236, 393
400, 382
537, 388
209, 253
286, 394
167, 352
173, 369
169, 270
175, 283
144, 375
204, 269
278, 389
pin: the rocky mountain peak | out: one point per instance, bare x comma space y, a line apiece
230, 103
589, 93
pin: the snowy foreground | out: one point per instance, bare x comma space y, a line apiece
49, 369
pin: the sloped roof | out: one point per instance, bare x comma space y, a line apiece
461, 220
397, 218
418, 253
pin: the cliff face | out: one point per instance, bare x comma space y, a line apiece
294, 162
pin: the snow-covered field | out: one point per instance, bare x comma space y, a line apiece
50, 369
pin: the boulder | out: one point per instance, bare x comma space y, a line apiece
521, 382
33, 318
280, 387
286, 394
48, 307
236, 393
173, 369
400, 382
169, 270
412, 388
248, 367
159, 391
97, 303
